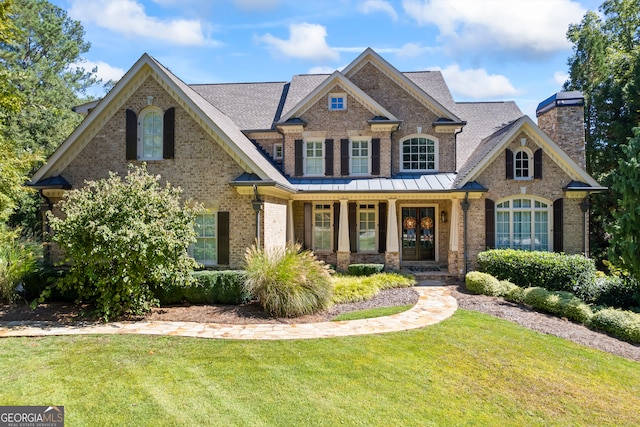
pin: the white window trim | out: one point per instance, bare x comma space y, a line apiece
313, 225
192, 246
277, 147
436, 163
141, 117
529, 154
351, 141
533, 210
304, 157
337, 95
374, 209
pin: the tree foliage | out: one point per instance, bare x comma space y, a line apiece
605, 66
124, 238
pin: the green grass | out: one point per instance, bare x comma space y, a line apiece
471, 369
372, 312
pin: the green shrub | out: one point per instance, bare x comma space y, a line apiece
515, 295
482, 283
560, 303
623, 324
365, 269
209, 287
617, 291
506, 287
19, 258
360, 288
553, 271
390, 280
287, 282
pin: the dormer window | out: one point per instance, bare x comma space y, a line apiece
337, 101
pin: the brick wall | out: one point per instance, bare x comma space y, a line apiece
565, 126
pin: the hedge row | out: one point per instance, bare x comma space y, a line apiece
211, 287
623, 324
364, 269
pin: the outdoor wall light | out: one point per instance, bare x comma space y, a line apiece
443, 217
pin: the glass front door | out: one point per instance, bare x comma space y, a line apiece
418, 234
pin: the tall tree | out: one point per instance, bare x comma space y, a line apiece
605, 66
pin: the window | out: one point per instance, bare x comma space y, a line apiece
313, 158
150, 134
278, 153
367, 228
523, 223
419, 153
337, 101
521, 164
322, 227
360, 157
205, 249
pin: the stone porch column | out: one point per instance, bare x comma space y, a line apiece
343, 253
392, 255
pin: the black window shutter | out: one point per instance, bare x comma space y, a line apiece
353, 232
344, 157
131, 135
298, 148
336, 225
382, 227
558, 242
375, 156
537, 164
508, 156
168, 133
308, 225
490, 223
223, 238
328, 157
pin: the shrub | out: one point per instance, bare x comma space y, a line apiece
553, 271
365, 269
358, 288
287, 282
623, 324
560, 303
482, 283
617, 291
123, 238
209, 287
19, 258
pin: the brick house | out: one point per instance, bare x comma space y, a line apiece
368, 164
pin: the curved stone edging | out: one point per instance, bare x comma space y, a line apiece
435, 304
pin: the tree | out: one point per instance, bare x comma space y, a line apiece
624, 251
124, 238
605, 66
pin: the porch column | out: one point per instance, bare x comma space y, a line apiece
453, 263
392, 255
290, 227
343, 254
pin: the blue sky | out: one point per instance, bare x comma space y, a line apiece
486, 49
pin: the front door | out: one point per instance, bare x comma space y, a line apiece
418, 234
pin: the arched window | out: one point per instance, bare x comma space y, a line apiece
523, 223
150, 138
419, 153
522, 166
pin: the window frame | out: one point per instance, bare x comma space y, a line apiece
352, 157
322, 207
506, 215
529, 168
305, 158
146, 112
436, 149
279, 147
335, 106
215, 238
370, 208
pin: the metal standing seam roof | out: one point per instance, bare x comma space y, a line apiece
408, 183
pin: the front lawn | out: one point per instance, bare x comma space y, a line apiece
471, 369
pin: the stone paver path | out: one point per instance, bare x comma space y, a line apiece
434, 305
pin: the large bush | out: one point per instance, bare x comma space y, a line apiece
553, 271
210, 287
485, 284
123, 238
19, 258
623, 324
287, 282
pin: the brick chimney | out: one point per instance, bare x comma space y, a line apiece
561, 117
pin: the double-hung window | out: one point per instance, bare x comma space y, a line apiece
367, 227
314, 158
522, 164
322, 227
205, 249
360, 158
150, 134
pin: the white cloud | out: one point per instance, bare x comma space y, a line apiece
476, 83
560, 77
412, 50
105, 71
532, 26
306, 41
372, 6
129, 17
321, 70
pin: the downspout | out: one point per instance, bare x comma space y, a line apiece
455, 147
465, 208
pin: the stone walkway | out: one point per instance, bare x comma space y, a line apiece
434, 305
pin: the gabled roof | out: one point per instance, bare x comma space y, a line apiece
323, 89
369, 56
491, 147
224, 130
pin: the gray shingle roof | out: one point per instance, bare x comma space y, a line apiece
433, 83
